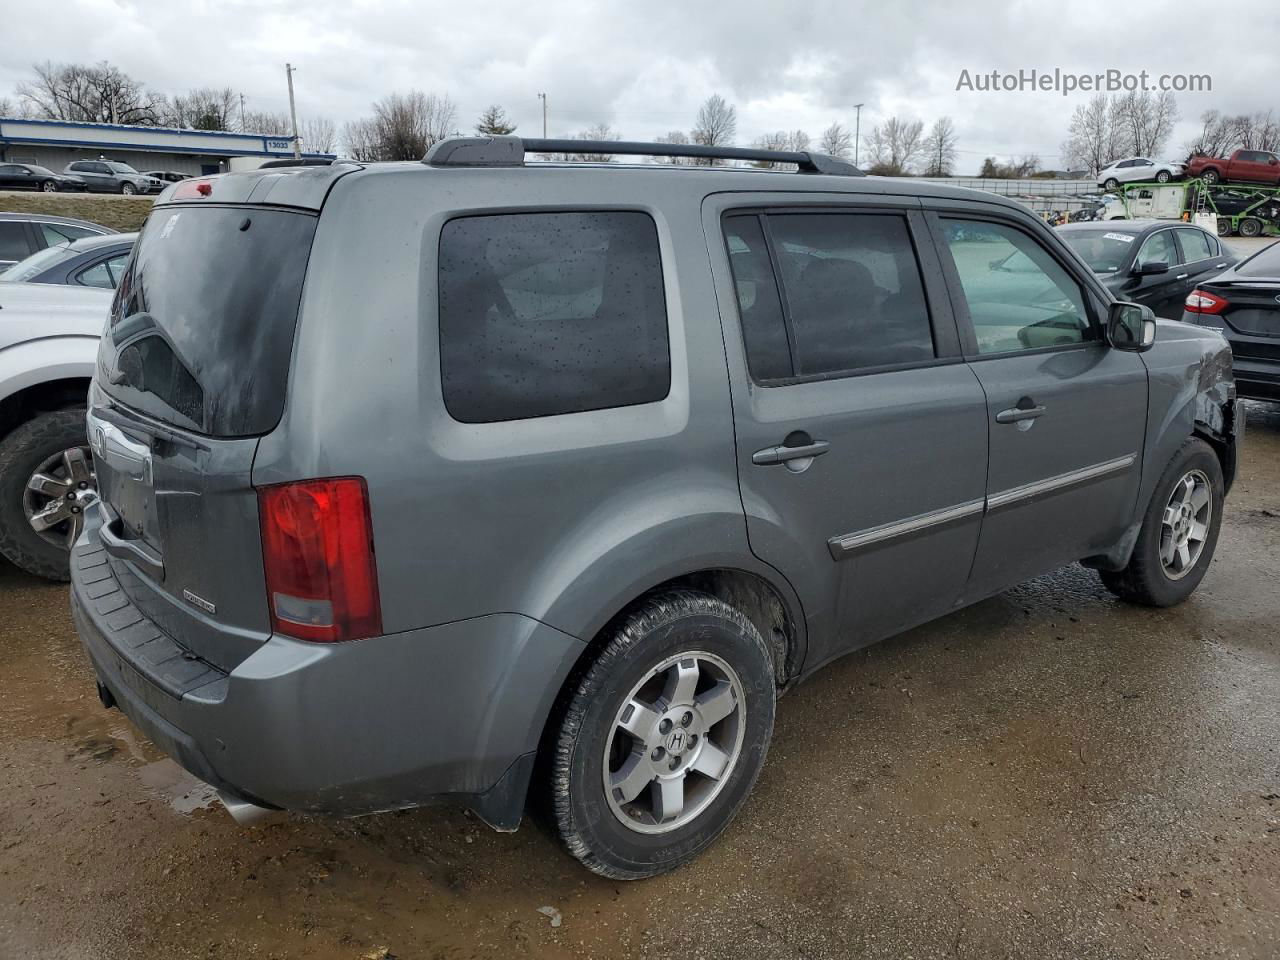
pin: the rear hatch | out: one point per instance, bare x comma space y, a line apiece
192, 371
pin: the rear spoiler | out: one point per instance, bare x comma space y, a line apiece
303, 187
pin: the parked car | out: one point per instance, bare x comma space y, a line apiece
168, 176
48, 339
1243, 166
1243, 303
111, 176
1137, 170
91, 262
22, 234
614, 456
29, 176
1152, 262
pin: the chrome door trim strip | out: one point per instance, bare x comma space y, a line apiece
1030, 491
843, 546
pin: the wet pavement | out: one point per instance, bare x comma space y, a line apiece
1047, 774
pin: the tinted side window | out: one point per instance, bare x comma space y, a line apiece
1195, 245
1019, 297
56, 233
13, 241
853, 290
764, 331
551, 313
96, 276
1158, 247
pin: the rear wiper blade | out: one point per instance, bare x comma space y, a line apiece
133, 324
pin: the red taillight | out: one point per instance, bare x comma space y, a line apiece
1202, 301
317, 548
190, 189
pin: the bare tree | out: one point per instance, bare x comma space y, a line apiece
406, 125
794, 141
1017, 169
597, 131
360, 140
1090, 141
716, 125
97, 94
494, 123
1257, 131
837, 141
1216, 135
205, 109
1144, 121
895, 146
675, 137
318, 134
265, 122
940, 148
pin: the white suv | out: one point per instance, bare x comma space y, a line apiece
1137, 170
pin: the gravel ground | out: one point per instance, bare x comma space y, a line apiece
1048, 774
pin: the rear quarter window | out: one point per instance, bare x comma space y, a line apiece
551, 313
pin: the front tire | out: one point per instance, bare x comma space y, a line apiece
1179, 531
128, 189
1163, 176
46, 476
49, 187
1210, 176
663, 737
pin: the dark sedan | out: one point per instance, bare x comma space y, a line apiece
29, 176
1153, 262
1244, 303
91, 262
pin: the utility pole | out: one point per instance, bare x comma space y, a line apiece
543, 98
242, 112
293, 113
857, 132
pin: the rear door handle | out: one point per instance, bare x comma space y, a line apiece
771, 455
1018, 414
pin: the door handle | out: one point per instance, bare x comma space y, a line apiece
1219, 266
1018, 414
1182, 276
782, 454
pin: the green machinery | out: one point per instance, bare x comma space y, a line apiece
1244, 209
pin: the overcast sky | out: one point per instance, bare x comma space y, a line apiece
644, 67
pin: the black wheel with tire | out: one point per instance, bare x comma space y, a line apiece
1163, 176
1210, 176
128, 189
49, 187
1179, 532
663, 737
1250, 227
1224, 227
46, 482
1111, 184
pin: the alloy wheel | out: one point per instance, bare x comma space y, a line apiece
674, 742
57, 494
1184, 528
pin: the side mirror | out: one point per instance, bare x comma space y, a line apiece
1131, 326
1151, 268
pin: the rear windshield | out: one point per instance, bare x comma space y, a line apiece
201, 331
1264, 263
1105, 251
38, 263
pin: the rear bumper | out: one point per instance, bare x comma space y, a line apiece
1256, 379
341, 729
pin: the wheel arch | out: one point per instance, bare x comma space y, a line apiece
65, 388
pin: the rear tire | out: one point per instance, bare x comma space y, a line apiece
1111, 184
1250, 227
23, 453
676, 711
1158, 574
1224, 227
1163, 176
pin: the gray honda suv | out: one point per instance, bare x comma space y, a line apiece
555, 479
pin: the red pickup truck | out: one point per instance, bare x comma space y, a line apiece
1243, 166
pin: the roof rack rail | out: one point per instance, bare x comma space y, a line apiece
510, 152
